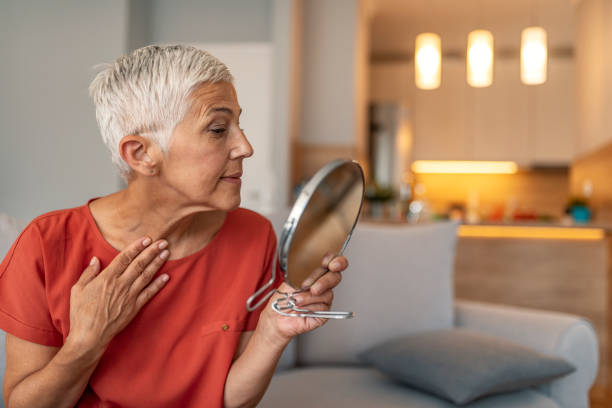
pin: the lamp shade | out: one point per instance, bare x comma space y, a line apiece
479, 58
534, 56
427, 61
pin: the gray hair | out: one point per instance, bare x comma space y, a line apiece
147, 93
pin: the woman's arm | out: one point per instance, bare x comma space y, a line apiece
251, 372
102, 303
45, 376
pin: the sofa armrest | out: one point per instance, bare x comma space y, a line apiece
567, 336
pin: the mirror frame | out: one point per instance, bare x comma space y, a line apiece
280, 258
284, 243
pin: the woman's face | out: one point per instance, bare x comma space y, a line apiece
204, 162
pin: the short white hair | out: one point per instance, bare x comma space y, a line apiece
147, 93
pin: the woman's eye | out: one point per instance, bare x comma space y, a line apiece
218, 131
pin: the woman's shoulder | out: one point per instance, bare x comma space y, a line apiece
61, 221
61, 217
246, 218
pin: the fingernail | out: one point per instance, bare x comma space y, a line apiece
162, 244
298, 299
334, 265
93, 260
165, 278
164, 254
146, 242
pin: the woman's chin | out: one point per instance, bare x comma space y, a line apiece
230, 204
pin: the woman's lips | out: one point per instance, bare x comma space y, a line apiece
234, 179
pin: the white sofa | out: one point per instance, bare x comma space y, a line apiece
400, 281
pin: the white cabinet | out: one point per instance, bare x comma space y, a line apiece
440, 117
555, 137
532, 125
500, 116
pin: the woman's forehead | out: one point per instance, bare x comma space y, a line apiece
210, 96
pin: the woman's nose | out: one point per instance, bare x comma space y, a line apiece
243, 148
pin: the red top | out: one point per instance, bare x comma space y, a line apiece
179, 348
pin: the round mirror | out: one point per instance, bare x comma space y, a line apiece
321, 222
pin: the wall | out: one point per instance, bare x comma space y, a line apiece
334, 67
51, 153
210, 21
594, 169
544, 192
593, 74
594, 101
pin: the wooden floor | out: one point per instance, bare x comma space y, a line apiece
567, 276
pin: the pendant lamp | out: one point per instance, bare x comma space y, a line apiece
480, 58
427, 61
534, 56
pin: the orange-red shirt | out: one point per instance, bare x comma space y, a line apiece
179, 348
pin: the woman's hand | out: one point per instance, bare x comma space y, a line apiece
319, 297
102, 304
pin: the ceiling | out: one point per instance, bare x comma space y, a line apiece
395, 23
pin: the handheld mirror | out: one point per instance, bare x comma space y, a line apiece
321, 222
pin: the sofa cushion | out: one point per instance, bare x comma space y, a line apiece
354, 387
461, 365
399, 281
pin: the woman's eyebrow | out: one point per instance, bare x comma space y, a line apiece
222, 109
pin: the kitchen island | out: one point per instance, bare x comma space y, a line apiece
558, 268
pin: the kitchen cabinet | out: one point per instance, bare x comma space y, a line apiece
500, 116
441, 117
555, 139
532, 125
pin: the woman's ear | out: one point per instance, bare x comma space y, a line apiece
140, 154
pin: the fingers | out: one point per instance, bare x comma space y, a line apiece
147, 259
327, 259
151, 290
307, 299
125, 257
145, 277
338, 264
318, 272
90, 272
331, 279
325, 283
329, 263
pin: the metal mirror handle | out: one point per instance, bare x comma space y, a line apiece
287, 302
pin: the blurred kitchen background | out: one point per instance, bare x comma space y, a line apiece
507, 131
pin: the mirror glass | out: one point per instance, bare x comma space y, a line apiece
321, 222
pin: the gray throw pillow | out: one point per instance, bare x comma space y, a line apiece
462, 365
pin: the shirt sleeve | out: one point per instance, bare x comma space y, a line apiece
24, 310
269, 263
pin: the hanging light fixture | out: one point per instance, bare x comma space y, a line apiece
427, 61
479, 58
534, 56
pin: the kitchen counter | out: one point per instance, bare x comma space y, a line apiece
525, 230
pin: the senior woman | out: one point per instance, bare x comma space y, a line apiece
138, 298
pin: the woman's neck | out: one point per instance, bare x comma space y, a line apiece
132, 213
